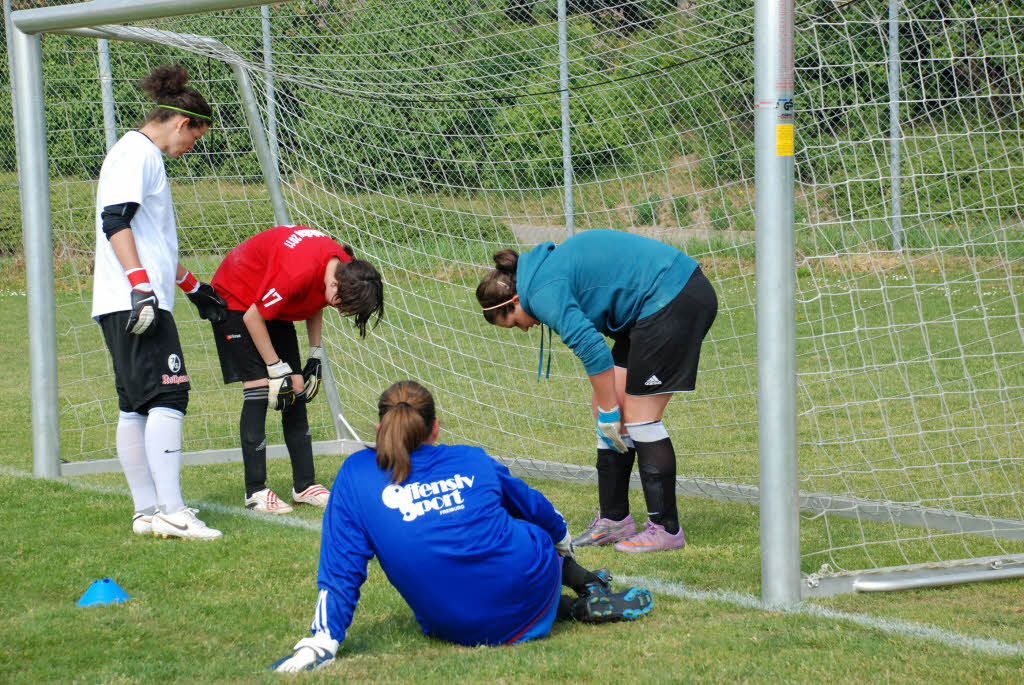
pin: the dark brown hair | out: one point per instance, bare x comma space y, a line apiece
499, 285
361, 291
407, 414
165, 85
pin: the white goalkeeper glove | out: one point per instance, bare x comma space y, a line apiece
565, 547
282, 393
609, 429
312, 373
310, 653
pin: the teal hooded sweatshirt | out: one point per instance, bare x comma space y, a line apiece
597, 283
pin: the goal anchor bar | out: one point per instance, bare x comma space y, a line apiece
896, 578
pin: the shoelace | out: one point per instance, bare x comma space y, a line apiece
647, 532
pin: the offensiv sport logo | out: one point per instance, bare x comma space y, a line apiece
416, 499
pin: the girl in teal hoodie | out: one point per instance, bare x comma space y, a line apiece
657, 306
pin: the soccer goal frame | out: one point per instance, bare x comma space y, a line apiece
778, 494
25, 51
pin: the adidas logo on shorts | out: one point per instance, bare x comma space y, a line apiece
653, 380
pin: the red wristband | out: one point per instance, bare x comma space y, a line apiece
137, 277
188, 282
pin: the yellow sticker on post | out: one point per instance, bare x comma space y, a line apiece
783, 140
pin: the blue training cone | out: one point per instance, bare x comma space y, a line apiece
103, 591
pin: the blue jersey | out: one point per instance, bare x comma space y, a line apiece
597, 283
468, 546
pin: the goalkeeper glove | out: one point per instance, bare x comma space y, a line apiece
565, 547
144, 304
609, 429
282, 394
312, 373
211, 306
310, 653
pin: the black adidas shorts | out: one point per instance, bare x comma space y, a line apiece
239, 358
661, 352
148, 371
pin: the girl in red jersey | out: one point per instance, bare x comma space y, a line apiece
279, 276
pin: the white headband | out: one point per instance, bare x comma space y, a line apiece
510, 301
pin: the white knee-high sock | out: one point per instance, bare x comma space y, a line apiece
131, 451
163, 451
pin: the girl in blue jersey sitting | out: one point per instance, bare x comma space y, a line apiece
656, 305
477, 554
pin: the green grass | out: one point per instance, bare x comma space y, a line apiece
221, 612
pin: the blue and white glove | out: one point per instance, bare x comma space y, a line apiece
565, 548
609, 429
310, 653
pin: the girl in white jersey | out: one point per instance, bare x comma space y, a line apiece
135, 273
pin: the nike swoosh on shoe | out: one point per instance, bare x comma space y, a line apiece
598, 536
185, 527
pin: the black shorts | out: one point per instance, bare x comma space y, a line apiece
239, 358
661, 352
149, 371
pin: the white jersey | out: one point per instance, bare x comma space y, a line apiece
133, 171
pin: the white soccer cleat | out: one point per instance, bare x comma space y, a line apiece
142, 524
266, 500
183, 524
317, 495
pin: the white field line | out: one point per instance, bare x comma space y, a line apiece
921, 631
289, 521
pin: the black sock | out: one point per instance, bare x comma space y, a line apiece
300, 445
657, 466
565, 605
253, 430
576, 577
613, 471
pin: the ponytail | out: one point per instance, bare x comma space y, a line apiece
407, 415
498, 287
165, 85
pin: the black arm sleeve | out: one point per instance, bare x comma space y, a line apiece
117, 217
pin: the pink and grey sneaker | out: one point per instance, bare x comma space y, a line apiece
605, 532
653, 538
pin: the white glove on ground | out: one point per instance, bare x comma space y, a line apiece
310, 653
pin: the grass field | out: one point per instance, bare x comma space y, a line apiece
221, 612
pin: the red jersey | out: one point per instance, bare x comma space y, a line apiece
280, 270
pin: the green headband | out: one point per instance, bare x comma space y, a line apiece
185, 111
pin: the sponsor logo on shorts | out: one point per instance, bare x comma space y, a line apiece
174, 363
232, 336
174, 379
416, 499
653, 380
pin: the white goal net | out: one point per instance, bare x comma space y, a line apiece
429, 134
